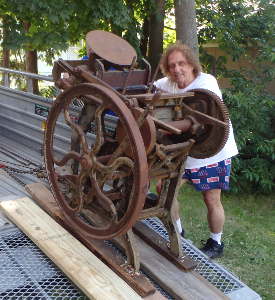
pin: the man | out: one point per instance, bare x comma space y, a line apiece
183, 72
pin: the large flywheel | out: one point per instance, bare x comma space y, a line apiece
100, 188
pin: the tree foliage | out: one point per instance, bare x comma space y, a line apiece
240, 28
55, 24
252, 112
244, 29
47, 21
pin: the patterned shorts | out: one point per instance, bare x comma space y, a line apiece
214, 176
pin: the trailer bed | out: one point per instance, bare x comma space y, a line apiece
37, 277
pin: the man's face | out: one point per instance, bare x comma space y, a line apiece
180, 70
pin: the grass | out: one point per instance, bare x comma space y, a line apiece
249, 235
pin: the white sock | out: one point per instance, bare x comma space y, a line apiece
216, 237
179, 225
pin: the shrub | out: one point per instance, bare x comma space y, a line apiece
252, 111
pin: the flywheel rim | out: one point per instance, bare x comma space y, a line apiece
140, 175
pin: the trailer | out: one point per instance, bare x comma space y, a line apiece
86, 158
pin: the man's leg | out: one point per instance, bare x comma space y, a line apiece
215, 211
215, 215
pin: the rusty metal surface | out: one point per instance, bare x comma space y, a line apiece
110, 47
101, 184
147, 130
209, 122
87, 204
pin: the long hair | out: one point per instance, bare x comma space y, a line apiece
191, 58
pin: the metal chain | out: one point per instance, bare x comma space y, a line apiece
15, 156
19, 171
16, 178
11, 163
38, 171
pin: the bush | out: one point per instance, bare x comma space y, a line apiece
244, 29
252, 111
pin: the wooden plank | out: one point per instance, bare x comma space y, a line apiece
180, 284
156, 296
177, 282
90, 274
157, 242
140, 283
47, 201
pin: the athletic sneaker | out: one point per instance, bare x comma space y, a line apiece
212, 248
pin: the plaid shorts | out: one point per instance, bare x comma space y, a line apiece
214, 176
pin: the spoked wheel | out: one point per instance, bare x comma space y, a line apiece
100, 189
208, 109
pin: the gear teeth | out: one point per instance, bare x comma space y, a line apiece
225, 115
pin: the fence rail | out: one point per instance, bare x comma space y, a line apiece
29, 77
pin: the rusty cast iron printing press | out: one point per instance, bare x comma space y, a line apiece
124, 135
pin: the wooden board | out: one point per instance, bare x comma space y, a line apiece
153, 239
90, 274
44, 198
180, 284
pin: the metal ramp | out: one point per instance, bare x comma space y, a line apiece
26, 273
218, 276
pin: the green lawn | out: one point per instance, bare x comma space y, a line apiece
249, 235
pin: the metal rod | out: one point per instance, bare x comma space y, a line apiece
154, 78
27, 74
129, 74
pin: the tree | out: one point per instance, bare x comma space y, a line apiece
145, 31
144, 37
156, 25
186, 27
50, 26
35, 26
5, 51
244, 29
31, 61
